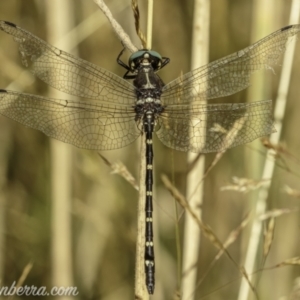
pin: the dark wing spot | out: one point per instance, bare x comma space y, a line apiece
10, 24
286, 27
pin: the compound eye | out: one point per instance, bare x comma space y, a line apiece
136, 57
155, 60
155, 63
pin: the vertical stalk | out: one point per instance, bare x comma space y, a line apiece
59, 20
4, 151
191, 242
262, 20
140, 287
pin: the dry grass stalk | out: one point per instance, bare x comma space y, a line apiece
236, 127
294, 261
191, 242
24, 274
206, 230
120, 169
269, 236
116, 26
60, 17
274, 213
279, 150
136, 14
234, 234
244, 185
295, 294
292, 192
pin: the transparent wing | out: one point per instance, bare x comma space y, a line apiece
214, 127
85, 124
68, 73
229, 74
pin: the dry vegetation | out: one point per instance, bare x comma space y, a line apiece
103, 204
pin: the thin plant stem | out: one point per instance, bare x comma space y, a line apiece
59, 20
149, 24
116, 26
5, 149
191, 243
140, 287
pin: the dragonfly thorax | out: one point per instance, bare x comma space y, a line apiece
148, 85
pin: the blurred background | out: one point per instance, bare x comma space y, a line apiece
98, 221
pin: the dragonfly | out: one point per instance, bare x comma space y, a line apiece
113, 112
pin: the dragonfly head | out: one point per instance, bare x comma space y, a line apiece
145, 57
